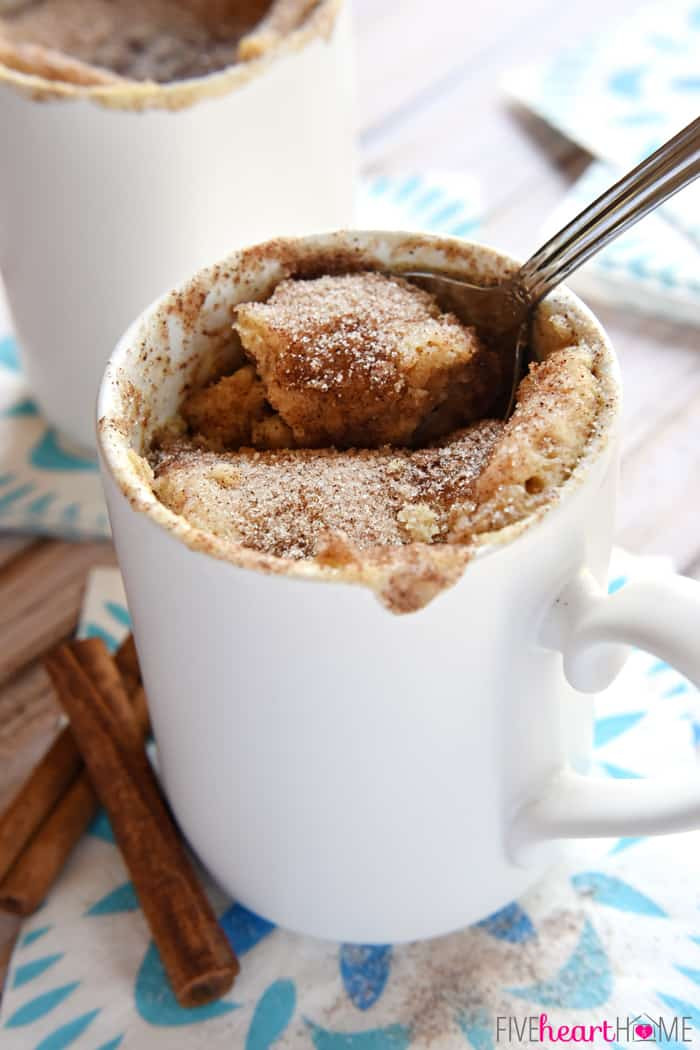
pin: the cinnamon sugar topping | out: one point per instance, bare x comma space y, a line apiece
292, 503
363, 359
365, 365
142, 40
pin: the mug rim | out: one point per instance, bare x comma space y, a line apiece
178, 94
126, 469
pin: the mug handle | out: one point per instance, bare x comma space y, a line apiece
591, 630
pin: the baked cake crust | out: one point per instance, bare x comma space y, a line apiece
363, 359
292, 503
359, 362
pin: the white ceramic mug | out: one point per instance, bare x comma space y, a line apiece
110, 194
345, 771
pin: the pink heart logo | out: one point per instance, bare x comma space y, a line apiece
644, 1031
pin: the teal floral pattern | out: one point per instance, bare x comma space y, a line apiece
46, 487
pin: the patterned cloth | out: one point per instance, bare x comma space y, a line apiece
620, 95
48, 488
612, 935
45, 487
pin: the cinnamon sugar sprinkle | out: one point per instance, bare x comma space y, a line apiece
341, 332
304, 451
142, 40
290, 503
363, 359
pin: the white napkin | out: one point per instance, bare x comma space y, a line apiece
620, 94
46, 487
613, 934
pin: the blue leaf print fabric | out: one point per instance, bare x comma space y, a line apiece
244, 928
28, 971
273, 1013
364, 970
585, 980
37, 1008
123, 898
67, 1034
606, 889
394, 1037
509, 924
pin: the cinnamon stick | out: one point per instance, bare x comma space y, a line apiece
126, 659
53, 809
37, 797
101, 668
195, 953
28, 881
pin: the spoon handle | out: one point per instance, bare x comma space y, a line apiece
673, 166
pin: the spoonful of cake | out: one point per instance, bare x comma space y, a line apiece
503, 309
367, 359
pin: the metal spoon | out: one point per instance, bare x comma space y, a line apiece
503, 310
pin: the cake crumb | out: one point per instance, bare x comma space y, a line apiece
362, 360
297, 503
420, 522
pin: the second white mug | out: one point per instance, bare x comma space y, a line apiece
111, 194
